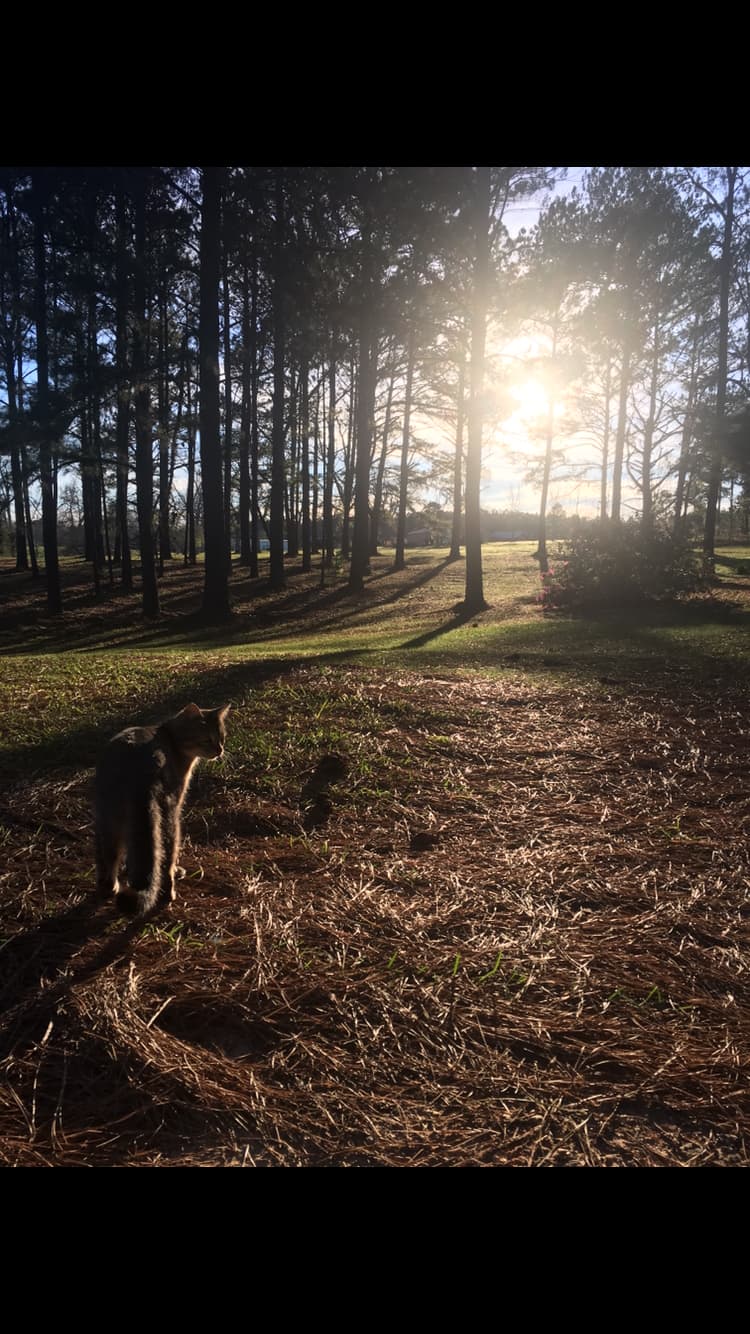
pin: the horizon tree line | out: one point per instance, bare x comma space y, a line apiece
282, 336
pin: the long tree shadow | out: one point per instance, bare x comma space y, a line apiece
458, 618
275, 616
737, 564
76, 748
365, 606
645, 647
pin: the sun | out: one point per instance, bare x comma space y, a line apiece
532, 400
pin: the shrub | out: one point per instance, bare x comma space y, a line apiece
619, 564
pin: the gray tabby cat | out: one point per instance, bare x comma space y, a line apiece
142, 778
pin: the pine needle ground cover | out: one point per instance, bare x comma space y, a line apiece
460, 893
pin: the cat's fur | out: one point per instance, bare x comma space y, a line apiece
141, 780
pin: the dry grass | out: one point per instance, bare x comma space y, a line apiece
515, 932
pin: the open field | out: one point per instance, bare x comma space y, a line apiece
513, 931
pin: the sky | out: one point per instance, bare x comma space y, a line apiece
503, 478
503, 484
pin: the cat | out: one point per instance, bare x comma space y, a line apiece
141, 781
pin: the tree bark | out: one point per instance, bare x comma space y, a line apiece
256, 357
327, 560
348, 481
12, 348
165, 543
216, 586
549, 440
474, 599
122, 422
49, 511
458, 460
605, 443
227, 349
305, 427
687, 430
725, 273
400, 559
377, 500
622, 424
276, 523
245, 553
647, 504
144, 467
360, 565
189, 553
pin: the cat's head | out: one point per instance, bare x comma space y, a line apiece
201, 732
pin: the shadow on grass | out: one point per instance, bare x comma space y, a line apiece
77, 748
293, 613
737, 564
457, 619
703, 640
35, 975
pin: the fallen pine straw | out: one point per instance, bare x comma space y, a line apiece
517, 935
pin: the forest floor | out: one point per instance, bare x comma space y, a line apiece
461, 892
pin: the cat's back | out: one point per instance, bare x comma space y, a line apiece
131, 759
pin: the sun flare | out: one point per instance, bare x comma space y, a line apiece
532, 400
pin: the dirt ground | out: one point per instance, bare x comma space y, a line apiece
506, 925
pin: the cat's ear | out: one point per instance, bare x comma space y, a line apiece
191, 711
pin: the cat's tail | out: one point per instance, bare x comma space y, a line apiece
137, 902
144, 864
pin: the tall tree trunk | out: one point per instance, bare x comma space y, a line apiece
400, 559
256, 357
49, 512
305, 426
605, 442
25, 476
101, 533
348, 483
548, 442
13, 348
327, 561
377, 500
318, 460
647, 507
687, 431
181, 380
22, 559
276, 523
725, 273
189, 555
360, 565
165, 542
87, 479
144, 467
216, 587
227, 350
458, 460
27, 514
474, 599
292, 544
245, 552
122, 423
622, 426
